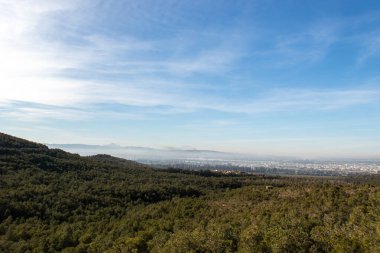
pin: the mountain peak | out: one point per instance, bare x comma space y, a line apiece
113, 145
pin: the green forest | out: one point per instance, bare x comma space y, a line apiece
54, 201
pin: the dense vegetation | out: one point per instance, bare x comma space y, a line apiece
51, 200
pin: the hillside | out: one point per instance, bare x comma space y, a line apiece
52, 201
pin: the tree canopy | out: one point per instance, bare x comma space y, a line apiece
52, 201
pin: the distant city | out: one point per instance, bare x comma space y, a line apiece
193, 159
296, 167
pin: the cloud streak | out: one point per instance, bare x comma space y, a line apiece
128, 103
309, 46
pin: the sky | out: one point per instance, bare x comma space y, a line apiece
287, 78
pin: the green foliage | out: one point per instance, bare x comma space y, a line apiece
54, 201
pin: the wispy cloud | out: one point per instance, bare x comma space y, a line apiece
308, 46
298, 100
370, 47
29, 111
68, 68
128, 105
81, 68
312, 44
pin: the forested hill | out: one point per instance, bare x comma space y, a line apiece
54, 201
11, 142
23, 154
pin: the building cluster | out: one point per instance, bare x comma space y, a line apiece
274, 166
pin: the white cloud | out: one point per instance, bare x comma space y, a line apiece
28, 63
140, 72
34, 62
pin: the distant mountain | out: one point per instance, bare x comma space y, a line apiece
166, 153
84, 146
116, 146
136, 152
89, 146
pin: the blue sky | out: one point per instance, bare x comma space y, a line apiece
292, 78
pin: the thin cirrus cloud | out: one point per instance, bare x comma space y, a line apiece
308, 46
313, 43
315, 100
371, 48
